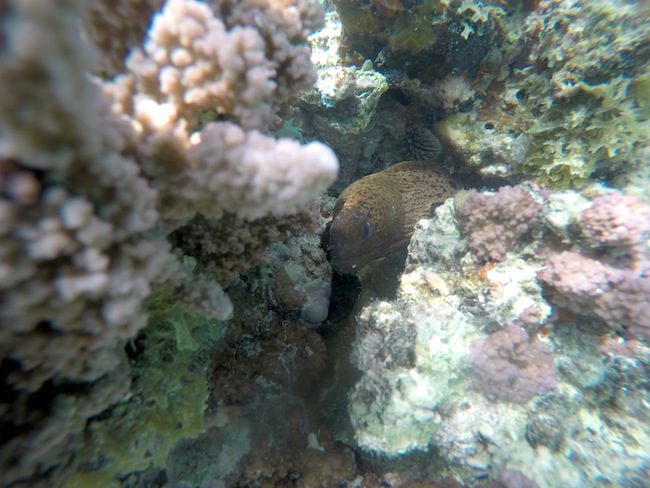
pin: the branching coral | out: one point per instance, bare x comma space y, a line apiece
229, 246
191, 62
193, 65
116, 27
76, 262
92, 175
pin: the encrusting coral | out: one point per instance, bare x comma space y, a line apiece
94, 173
496, 223
577, 94
471, 360
614, 284
512, 365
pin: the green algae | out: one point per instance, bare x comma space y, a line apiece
165, 403
413, 31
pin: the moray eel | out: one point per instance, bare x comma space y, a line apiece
376, 215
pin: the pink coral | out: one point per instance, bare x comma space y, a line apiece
511, 365
618, 297
614, 286
618, 221
496, 222
579, 278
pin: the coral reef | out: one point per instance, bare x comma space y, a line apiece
617, 221
200, 386
579, 99
168, 314
230, 246
94, 174
615, 287
497, 223
344, 97
511, 365
545, 90
470, 360
456, 36
341, 107
166, 400
191, 66
301, 278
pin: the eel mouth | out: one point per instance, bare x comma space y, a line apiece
345, 262
345, 266
348, 260
348, 252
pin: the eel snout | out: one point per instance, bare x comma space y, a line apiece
349, 242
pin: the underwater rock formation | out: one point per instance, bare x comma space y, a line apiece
444, 366
344, 98
424, 35
578, 97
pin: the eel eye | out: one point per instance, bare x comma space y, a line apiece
366, 229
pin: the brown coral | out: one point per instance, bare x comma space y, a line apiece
116, 26
228, 247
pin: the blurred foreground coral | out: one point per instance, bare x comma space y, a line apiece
95, 173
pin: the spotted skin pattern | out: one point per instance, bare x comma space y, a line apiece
376, 215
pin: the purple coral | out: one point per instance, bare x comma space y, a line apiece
511, 365
615, 286
579, 279
616, 220
618, 297
495, 223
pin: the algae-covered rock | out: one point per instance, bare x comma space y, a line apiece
345, 96
301, 277
580, 100
166, 401
455, 34
416, 354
